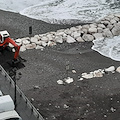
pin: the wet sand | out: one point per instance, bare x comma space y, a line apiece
92, 99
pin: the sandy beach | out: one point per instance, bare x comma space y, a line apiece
92, 99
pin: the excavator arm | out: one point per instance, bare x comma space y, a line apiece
17, 48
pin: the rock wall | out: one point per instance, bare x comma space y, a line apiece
107, 27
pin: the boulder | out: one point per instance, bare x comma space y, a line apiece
18, 40
59, 39
68, 32
92, 30
73, 29
60, 33
75, 34
34, 39
105, 22
107, 33
44, 38
112, 21
86, 26
118, 69
23, 48
44, 43
79, 27
70, 39
99, 30
110, 69
117, 15
93, 25
98, 35
51, 43
37, 36
110, 26
101, 25
31, 46
88, 76
39, 47
25, 42
50, 36
116, 30
85, 30
87, 37
79, 39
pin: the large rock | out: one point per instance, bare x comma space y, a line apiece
92, 30
50, 36
113, 21
70, 39
23, 48
105, 22
99, 30
37, 36
86, 26
101, 25
39, 47
34, 39
116, 30
73, 29
118, 69
18, 40
31, 46
94, 25
45, 39
51, 43
98, 35
76, 34
59, 39
25, 42
79, 39
88, 37
107, 33
110, 26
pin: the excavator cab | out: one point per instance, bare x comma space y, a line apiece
3, 36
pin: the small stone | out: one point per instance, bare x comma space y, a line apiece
69, 80
70, 39
32, 99
88, 76
36, 87
74, 71
81, 79
112, 109
66, 106
60, 82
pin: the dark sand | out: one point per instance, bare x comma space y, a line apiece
92, 99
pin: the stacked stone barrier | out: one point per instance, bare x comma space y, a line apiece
107, 27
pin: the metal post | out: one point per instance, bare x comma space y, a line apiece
30, 30
15, 92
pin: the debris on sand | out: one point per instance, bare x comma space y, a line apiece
60, 82
69, 80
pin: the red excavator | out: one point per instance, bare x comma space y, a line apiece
4, 42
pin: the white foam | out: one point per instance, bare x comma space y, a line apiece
60, 11
109, 47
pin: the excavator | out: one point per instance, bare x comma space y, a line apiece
4, 42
